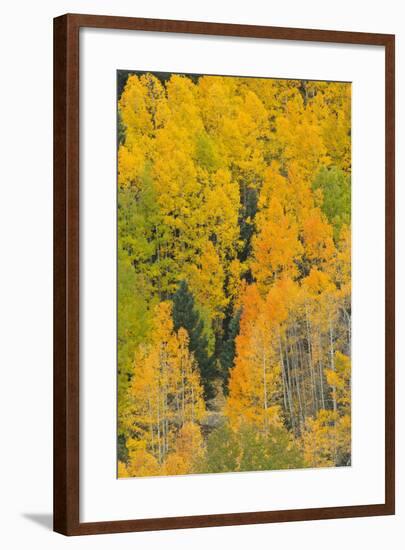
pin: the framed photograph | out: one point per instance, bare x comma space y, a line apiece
223, 274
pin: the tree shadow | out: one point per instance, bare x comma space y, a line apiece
44, 520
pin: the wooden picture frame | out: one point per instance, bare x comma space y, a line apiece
67, 284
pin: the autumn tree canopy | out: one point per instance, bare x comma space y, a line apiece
234, 274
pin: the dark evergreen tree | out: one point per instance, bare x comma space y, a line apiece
120, 129
122, 451
227, 354
246, 215
186, 315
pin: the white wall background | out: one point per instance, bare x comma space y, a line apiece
26, 273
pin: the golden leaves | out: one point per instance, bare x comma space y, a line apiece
219, 173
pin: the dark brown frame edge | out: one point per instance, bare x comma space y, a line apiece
66, 273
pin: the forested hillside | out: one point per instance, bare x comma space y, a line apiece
234, 285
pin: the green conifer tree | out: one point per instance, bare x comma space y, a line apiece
227, 354
186, 315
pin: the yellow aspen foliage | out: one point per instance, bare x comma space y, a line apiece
186, 379
165, 391
300, 198
207, 279
342, 264
188, 450
182, 103
339, 379
175, 465
300, 138
134, 109
320, 299
220, 212
327, 440
131, 164
274, 185
142, 108
236, 282
317, 283
319, 440
333, 108
142, 463
234, 222
122, 470
217, 101
276, 248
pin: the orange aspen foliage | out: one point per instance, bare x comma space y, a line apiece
255, 379
238, 189
276, 248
